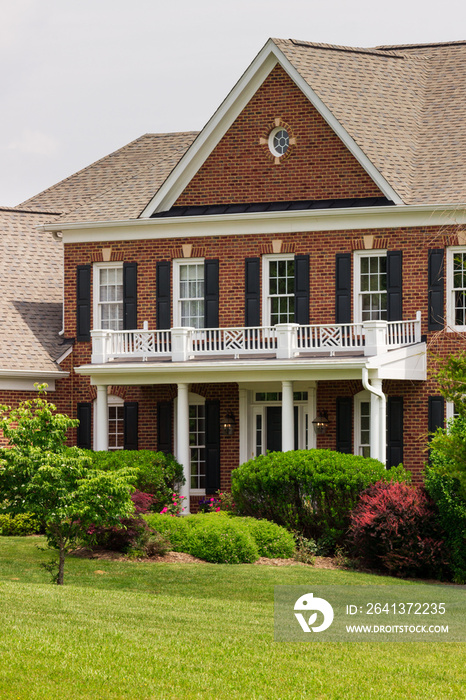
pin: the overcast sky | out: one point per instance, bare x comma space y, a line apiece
80, 78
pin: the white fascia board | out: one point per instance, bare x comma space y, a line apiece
213, 131
223, 372
281, 222
24, 380
30, 373
229, 110
405, 363
67, 352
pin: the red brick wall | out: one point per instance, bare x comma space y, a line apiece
241, 170
231, 251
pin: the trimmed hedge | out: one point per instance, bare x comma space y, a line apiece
157, 473
18, 525
219, 538
308, 491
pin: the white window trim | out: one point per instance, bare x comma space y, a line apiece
362, 397
193, 400
112, 400
96, 323
176, 286
451, 251
358, 254
450, 410
266, 260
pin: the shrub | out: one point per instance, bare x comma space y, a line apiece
309, 491
157, 473
174, 529
18, 525
394, 527
272, 540
446, 492
132, 531
221, 541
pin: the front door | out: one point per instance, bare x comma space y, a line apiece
274, 428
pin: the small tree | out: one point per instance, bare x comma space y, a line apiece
39, 474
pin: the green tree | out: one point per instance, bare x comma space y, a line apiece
41, 475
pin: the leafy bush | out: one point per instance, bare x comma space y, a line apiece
174, 529
306, 549
20, 524
272, 541
308, 491
222, 541
446, 492
219, 538
394, 527
130, 533
156, 473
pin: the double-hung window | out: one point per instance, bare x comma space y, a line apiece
370, 286
362, 424
456, 295
279, 289
108, 297
188, 287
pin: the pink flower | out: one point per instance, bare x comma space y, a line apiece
164, 510
217, 509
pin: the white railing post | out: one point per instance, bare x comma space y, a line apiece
417, 328
100, 341
376, 337
181, 344
287, 340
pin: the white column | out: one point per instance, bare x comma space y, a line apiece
182, 442
287, 340
181, 344
101, 423
243, 426
287, 417
311, 414
375, 333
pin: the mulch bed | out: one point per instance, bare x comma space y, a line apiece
182, 558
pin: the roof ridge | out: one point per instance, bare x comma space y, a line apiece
388, 47
347, 49
17, 210
99, 160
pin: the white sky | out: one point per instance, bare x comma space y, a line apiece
80, 78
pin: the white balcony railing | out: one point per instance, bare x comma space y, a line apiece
285, 340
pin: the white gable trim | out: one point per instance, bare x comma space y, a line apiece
229, 110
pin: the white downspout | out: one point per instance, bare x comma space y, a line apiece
379, 408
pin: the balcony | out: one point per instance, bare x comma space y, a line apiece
283, 341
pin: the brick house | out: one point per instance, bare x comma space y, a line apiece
273, 282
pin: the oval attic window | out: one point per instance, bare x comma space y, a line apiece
279, 141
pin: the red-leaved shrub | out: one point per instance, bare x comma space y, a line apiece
394, 527
128, 535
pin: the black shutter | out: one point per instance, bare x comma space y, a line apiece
165, 427
436, 413
130, 296
163, 295
211, 294
212, 446
301, 289
83, 303
84, 415
344, 424
252, 288
394, 286
435, 293
343, 288
394, 431
131, 425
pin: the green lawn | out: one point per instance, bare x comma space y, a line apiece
143, 630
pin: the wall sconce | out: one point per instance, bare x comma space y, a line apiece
320, 423
228, 425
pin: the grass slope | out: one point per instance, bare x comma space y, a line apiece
143, 630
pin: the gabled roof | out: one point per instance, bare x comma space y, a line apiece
31, 282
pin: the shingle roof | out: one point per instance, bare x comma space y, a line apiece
403, 105
119, 185
31, 281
